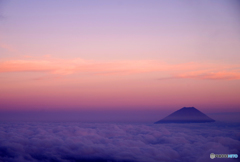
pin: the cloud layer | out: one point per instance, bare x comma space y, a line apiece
117, 142
191, 70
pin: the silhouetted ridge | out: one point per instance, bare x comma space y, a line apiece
186, 115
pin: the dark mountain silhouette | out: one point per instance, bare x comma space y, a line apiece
186, 115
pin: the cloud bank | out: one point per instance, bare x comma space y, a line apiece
191, 70
90, 142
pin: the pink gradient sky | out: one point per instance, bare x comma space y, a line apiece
119, 55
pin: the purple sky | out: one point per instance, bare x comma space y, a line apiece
111, 56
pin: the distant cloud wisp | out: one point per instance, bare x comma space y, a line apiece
6, 46
221, 75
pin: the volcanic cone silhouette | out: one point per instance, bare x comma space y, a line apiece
186, 115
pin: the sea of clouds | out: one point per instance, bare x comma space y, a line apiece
109, 142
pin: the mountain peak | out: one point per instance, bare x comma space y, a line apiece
188, 108
186, 115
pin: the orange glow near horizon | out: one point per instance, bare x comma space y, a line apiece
88, 84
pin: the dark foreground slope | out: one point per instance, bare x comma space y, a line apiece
186, 115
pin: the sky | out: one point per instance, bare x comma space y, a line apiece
135, 55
